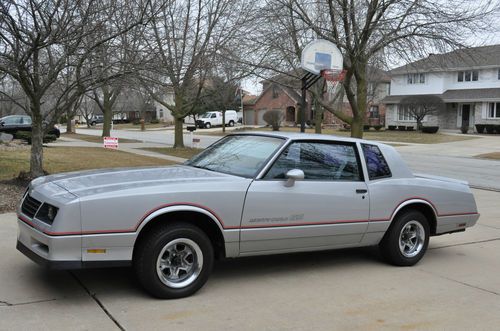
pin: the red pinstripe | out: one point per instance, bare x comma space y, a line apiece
134, 229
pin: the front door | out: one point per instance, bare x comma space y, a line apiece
328, 208
466, 115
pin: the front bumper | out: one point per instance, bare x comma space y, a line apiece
59, 265
57, 252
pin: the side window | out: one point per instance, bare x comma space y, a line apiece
319, 161
13, 120
26, 120
213, 115
375, 162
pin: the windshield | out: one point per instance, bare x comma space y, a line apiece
206, 115
237, 155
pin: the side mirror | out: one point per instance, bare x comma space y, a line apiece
292, 176
1, 123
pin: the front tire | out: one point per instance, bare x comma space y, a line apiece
208, 125
174, 260
406, 241
231, 123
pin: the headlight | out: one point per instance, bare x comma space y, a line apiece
47, 213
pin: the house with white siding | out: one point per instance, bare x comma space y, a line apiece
467, 80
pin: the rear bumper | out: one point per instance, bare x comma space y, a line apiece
454, 223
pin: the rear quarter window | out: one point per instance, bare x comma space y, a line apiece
375, 162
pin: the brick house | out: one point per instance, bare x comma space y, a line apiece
283, 92
467, 80
284, 96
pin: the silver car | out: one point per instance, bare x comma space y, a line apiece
247, 194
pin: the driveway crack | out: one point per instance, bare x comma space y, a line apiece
467, 243
99, 303
462, 283
8, 304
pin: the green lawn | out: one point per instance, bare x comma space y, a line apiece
394, 136
186, 153
63, 159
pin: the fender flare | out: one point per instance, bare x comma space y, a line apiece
180, 206
411, 201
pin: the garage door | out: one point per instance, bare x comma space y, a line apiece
260, 117
250, 117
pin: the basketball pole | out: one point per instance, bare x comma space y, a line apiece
308, 80
303, 105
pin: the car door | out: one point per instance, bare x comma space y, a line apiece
11, 124
328, 208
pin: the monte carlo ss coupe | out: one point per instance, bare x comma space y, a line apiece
247, 194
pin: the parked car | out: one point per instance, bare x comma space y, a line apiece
96, 119
247, 194
14, 123
214, 118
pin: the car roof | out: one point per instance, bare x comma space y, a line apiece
306, 136
9, 116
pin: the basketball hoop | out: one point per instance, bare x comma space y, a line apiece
332, 78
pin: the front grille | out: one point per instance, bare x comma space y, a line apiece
30, 206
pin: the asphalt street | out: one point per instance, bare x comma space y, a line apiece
455, 287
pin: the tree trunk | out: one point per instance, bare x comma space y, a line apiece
178, 137
223, 121
318, 114
107, 118
36, 160
359, 113
357, 126
68, 126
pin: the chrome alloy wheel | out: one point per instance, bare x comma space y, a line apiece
179, 263
411, 239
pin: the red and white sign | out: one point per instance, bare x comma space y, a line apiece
110, 142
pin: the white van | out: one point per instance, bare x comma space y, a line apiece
214, 118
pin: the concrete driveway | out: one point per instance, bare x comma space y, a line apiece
455, 287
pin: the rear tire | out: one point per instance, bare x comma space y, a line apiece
406, 241
231, 123
174, 260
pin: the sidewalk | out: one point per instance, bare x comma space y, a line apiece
133, 148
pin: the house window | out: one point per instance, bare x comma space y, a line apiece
468, 76
494, 110
498, 73
374, 113
416, 78
404, 114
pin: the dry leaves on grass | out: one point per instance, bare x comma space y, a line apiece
11, 192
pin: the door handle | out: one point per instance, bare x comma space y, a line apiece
361, 191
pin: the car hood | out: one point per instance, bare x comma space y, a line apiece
84, 183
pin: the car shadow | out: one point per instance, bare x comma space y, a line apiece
118, 282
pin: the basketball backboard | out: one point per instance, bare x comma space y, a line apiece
321, 54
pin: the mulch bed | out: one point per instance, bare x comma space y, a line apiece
11, 192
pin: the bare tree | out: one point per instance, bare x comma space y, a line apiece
87, 109
364, 30
419, 106
41, 43
274, 118
184, 41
